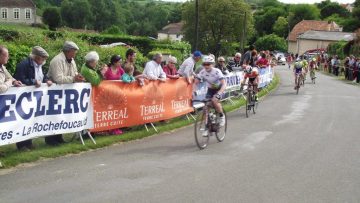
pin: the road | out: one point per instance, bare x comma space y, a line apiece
297, 148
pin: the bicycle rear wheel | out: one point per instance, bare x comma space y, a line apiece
221, 133
200, 129
248, 104
253, 102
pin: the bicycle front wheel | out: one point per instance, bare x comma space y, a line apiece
202, 133
221, 132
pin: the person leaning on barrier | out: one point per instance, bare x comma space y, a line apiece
221, 65
170, 68
235, 64
6, 80
63, 70
187, 67
88, 70
246, 59
153, 69
30, 73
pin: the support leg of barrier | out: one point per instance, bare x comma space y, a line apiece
187, 116
153, 127
192, 116
81, 138
91, 137
147, 129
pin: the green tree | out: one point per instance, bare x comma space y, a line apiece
265, 19
281, 27
334, 8
271, 42
299, 12
76, 13
221, 22
52, 18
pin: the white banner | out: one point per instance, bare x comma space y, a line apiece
29, 112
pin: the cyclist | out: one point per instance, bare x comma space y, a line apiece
305, 65
216, 84
298, 68
312, 67
253, 74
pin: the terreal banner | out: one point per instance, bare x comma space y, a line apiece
118, 104
29, 112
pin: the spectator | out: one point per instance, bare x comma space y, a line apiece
131, 58
336, 66
153, 69
352, 63
6, 80
253, 58
347, 68
235, 64
262, 62
128, 77
221, 65
88, 70
113, 71
187, 67
356, 70
30, 73
247, 57
63, 70
289, 60
170, 68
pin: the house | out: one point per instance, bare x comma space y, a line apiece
313, 39
18, 11
306, 25
348, 7
172, 32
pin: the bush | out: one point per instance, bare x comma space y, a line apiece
337, 48
271, 42
9, 35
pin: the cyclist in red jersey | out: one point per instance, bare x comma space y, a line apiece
252, 73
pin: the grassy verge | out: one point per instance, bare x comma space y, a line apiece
10, 157
341, 78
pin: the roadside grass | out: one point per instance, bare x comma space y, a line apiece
340, 77
11, 157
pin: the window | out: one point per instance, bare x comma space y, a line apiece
16, 13
27, 13
4, 13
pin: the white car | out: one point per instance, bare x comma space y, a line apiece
113, 45
280, 57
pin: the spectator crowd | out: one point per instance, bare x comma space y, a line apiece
63, 70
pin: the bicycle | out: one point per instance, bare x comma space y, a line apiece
312, 75
207, 124
299, 78
250, 100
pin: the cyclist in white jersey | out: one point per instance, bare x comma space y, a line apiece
216, 84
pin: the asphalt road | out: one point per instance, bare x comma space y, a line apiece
297, 148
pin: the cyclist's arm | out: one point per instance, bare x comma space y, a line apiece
223, 86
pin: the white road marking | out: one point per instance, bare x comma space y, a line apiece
297, 111
254, 139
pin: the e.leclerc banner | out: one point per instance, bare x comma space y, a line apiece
118, 104
29, 112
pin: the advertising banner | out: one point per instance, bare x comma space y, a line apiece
118, 104
29, 112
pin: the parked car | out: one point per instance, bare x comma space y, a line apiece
280, 57
113, 45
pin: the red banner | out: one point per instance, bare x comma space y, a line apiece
118, 104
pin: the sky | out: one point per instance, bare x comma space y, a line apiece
294, 1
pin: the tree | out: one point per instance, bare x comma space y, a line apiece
334, 8
299, 12
281, 27
271, 42
76, 13
265, 19
52, 18
221, 22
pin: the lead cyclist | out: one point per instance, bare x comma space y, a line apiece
216, 85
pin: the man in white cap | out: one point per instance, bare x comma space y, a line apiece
235, 64
63, 70
153, 69
30, 73
187, 67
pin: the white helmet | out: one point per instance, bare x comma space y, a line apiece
248, 69
255, 70
208, 59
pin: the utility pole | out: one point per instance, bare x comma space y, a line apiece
244, 34
196, 24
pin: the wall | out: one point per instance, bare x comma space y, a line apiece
304, 45
172, 37
10, 16
292, 47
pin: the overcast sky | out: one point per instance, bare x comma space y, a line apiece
315, 1
296, 1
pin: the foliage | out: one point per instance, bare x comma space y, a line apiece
75, 13
222, 22
113, 30
333, 8
52, 17
299, 12
280, 27
265, 19
271, 42
337, 48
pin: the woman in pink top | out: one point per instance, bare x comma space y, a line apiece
114, 70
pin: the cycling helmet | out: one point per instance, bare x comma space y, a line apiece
248, 69
208, 59
255, 71
314, 59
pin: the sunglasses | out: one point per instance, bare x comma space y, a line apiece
221, 61
206, 64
